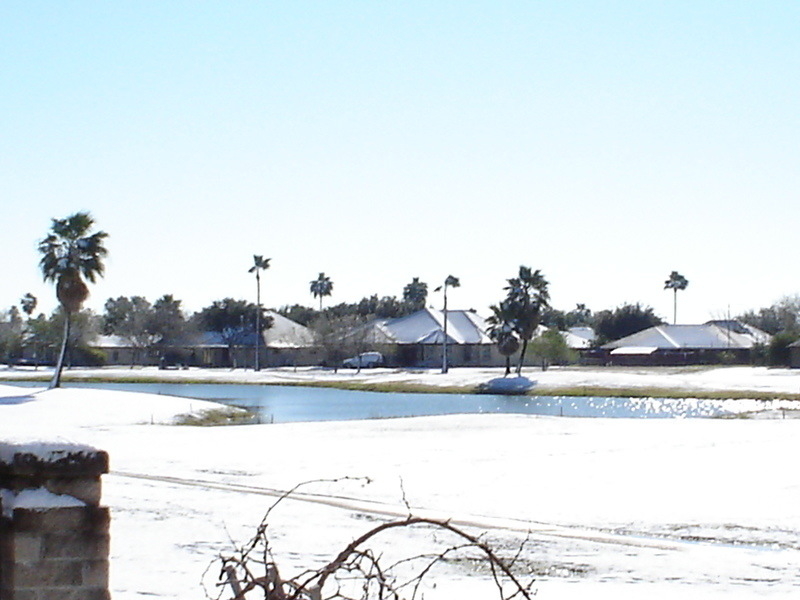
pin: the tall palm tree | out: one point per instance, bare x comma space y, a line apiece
320, 287
415, 293
71, 253
453, 282
28, 303
501, 331
259, 264
527, 296
675, 282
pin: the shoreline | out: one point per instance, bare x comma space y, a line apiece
713, 383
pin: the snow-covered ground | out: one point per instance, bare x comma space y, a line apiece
617, 508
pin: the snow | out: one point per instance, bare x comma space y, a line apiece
36, 499
616, 508
735, 378
43, 450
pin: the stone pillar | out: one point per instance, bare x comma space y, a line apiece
54, 539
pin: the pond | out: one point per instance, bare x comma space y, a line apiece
285, 404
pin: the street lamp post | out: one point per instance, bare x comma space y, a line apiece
451, 281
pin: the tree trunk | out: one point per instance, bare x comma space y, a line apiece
56, 381
508, 365
522, 356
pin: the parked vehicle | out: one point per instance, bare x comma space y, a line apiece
365, 360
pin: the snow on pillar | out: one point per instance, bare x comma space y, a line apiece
54, 535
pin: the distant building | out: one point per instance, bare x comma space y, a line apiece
711, 342
285, 343
416, 339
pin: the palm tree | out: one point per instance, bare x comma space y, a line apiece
675, 282
527, 297
28, 303
501, 330
453, 282
320, 287
415, 293
70, 254
259, 264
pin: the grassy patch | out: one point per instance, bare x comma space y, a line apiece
229, 415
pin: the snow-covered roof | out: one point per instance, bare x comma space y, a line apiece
426, 326
709, 336
286, 333
578, 337
110, 341
637, 350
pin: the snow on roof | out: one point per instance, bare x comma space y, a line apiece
110, 341
634, 350
286, 333
709, 336
578, 337
426, 326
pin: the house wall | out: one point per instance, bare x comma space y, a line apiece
430, 355
682, 357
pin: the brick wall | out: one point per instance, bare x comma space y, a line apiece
54, 539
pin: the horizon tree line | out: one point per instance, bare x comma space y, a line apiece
72, 254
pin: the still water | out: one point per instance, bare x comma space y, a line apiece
284, 404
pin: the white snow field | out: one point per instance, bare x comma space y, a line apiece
616, 508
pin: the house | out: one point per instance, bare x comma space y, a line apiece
285, 343
416, 339
579, 338
288, 343
711, 342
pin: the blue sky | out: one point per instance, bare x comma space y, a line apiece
605, 143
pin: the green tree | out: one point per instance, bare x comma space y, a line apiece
132, 320
552, 348
259, 264
782, 316
320, 287
70, 254
675, 282
779, 351
415, 294
298, 313
624, 320
235, 322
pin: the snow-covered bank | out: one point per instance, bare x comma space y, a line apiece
736, 379
618, 508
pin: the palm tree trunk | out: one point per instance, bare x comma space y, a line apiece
56, 381
522, 355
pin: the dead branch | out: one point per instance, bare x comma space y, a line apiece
359, 567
